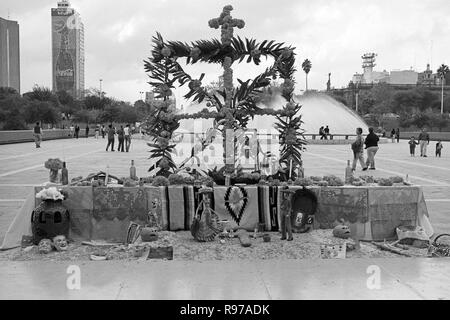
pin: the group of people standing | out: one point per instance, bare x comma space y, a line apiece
371, 145
395, 135
123, 135
324, 132
423, 142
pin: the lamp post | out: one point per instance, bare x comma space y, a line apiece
141, 93
442, 72
442, 94
357, 96
101, 91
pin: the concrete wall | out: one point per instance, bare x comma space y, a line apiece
435, 136
17, 136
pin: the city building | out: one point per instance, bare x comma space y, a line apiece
394, 77
150, 97
9, 54
427, 77
67, 50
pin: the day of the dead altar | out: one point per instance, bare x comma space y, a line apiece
372, 212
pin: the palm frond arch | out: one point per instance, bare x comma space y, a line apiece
231, 106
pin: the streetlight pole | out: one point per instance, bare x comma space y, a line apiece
141, 92
101, 91
442, 95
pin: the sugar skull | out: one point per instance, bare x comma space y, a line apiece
60, 243
45, 246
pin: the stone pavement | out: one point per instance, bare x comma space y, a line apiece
22, 167
415, 279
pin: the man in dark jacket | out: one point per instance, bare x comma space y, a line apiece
371, 143
121, 136
424, 141
111, 133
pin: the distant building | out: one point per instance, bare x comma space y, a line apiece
150, 97
9, 54
427, 77
67, 50
403, 77
395, 77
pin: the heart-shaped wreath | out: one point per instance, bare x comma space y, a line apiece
236, 200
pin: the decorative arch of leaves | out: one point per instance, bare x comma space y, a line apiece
165, 73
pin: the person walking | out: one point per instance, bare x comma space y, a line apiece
121, 136
358, 150
412, 146
37, 133
326, 131
321, 132
424, 141
72, 131
372, 148
393, 135
111, 133
438, 148
397, 135
77, 131
87, 130
97, 129
127, 132
103, 131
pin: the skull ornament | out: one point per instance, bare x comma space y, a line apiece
60, 243
342, 231
45, 246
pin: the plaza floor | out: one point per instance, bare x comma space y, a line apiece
22, 167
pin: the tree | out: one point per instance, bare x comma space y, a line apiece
12, 109
421, 120
96, 102
406, 101
306, 66
110, 114
439, 121
41, 111
405, 120
442, 72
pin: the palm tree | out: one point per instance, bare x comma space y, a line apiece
306, 66
442, 72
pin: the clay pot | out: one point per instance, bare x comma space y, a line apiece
148, 235
266, 237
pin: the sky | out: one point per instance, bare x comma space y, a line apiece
331, 34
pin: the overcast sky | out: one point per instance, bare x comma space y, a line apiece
332, 34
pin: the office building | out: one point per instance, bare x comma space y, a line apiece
67, 50
9, 54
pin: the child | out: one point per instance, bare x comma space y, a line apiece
438, 148
412, 146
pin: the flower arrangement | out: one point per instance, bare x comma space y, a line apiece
53, 164
160, 181
333, 181
52, 194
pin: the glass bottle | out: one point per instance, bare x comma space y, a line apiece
64, 175
133, 171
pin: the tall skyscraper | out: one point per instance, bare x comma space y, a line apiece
67, 50
9, 54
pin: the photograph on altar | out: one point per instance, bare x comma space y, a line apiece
203, 151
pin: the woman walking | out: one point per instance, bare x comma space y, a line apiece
358, 150
372, 148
